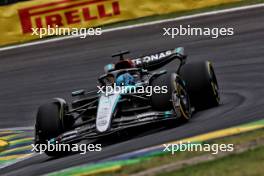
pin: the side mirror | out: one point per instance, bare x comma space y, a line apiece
179, 52
78, 93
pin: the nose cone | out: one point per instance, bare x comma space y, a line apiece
105, 111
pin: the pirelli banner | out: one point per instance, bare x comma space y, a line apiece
17, 20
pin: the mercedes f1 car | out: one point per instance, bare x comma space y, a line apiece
95, 114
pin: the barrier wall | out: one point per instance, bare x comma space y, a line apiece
17, 20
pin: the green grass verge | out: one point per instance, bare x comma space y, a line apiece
249, 163
166, 158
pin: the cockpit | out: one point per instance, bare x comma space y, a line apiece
121, 77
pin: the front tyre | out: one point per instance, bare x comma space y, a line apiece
49, 124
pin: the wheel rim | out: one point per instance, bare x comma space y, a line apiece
181, 95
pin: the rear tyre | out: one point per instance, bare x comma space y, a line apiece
49, 124
201, 84
176, 97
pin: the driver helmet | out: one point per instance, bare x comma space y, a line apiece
124, 64
125, 79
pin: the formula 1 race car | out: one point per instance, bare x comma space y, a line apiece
130, 94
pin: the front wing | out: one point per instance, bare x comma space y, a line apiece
89, 131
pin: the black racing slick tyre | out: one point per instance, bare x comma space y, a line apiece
49, 124
175, 98
201, 83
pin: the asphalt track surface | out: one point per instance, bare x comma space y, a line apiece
31, 76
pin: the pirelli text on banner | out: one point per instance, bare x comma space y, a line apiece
66, 12
17, 20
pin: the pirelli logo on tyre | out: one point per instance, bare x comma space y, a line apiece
66, 12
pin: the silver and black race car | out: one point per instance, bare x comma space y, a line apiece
130, 94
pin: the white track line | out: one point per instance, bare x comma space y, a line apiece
17, 128
140, 25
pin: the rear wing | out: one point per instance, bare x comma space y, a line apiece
156, 61
152, 57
